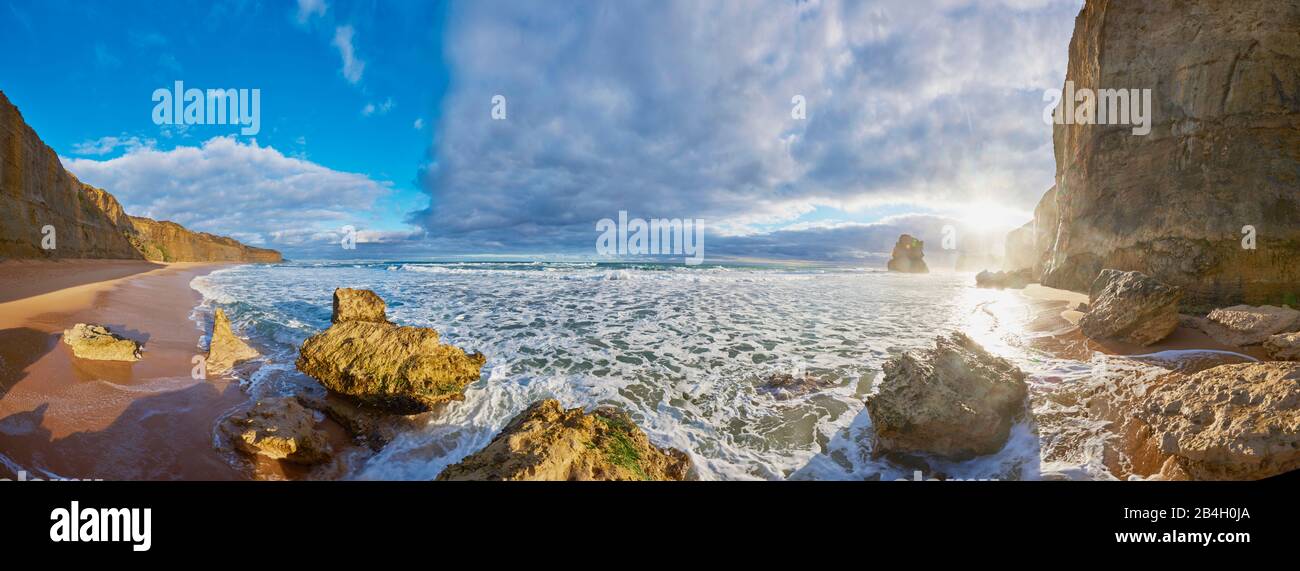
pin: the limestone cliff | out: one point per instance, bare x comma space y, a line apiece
1029, 246
1020, 253
1047, 220
1223, 152
170, 242
87, 222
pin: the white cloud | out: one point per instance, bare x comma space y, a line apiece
419, 124
683, 109
381, 109
105, 145
353, 67
309, 8
236, 189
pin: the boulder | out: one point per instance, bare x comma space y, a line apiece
278, 428
956, 401
1242, 325
1223, 151
91, 341
225, 350
369, 426
1283, 347
908, 256
400, 369
358, 305
1233, 422
547, 442
1130, 307
1016, 279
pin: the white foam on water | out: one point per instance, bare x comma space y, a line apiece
683, 350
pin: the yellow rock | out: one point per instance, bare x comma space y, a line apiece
546, 442
403, 370
225, 350
90, 341
277, 428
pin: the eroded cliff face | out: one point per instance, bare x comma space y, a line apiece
1020, 251
170, 242
36, 192
1223, 152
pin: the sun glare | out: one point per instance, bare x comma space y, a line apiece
987, 217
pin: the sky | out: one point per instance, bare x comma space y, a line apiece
812, 129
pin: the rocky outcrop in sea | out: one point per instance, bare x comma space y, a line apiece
225, 350
548, 442
955, 401
358, 305
398, 369
908, 256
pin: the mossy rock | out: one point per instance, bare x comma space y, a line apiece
547, 442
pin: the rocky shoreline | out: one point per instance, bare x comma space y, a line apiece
375, 371
954, 402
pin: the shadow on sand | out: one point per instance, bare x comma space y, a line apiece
19, 348
165, 436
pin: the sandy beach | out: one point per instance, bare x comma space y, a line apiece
71, 418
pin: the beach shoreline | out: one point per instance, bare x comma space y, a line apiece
63, 417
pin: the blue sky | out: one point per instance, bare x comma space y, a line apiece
377, 114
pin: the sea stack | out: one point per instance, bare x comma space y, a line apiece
399, 369
1207, 201
225, 350
908, 256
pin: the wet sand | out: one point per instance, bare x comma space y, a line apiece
72, 418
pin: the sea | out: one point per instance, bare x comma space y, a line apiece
688, 351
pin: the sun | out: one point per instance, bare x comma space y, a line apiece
987, 217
